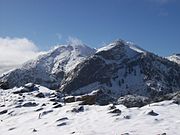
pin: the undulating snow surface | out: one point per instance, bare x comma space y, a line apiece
89, 120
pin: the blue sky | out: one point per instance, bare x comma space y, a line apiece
152, 24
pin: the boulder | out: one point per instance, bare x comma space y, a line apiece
29, 104
62, 119
87, 99
62, 124
176, 99
152, 113
3, 112
69, 99
133, 101
46, 112
78, 109
111, 107
39, 109
95, 97
57, 106
30, 87
40, 95
117, 111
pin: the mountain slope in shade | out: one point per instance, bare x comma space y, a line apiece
174, 58
49, 69
122, 68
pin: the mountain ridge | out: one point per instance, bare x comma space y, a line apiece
136, 71
119, 69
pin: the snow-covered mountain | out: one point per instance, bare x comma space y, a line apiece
175, 58
123, 68
48, 69
105, 91
118, 69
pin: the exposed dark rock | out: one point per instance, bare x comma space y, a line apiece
176, 99
96, 97
11, 128
78, 109
54, 99
30, 87
103, 98
69, 99
10, 113
3, 112
62, 119
39, 109
127, 117
125, 134
43, 104
116, 111
2, 105
55, 103
152, 113
57, 106
62, 124
133, 101
87, 99
111, 107
163, 134
34, 130
18, 106
46, 112
40, 95
20, 100
30, 104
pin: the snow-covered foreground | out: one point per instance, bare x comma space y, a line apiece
43, 118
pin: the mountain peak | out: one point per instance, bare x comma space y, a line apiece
177, 54
48, 69
175, 58
122, 46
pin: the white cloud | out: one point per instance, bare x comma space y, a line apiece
74, 41
15, 51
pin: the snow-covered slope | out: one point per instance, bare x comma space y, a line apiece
122, 68
175, 58
48, 69
29, 115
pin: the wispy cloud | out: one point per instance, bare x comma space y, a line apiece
163, 12
161, 6
162, 2
74, 40
15, 51
59, 36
